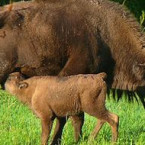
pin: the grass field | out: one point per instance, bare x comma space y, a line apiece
18, 125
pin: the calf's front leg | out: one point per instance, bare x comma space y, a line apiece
46, 130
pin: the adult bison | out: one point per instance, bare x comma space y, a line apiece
66, 37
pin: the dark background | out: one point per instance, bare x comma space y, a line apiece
135, 6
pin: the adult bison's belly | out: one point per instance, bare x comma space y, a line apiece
49, 70
39, 51
37, 64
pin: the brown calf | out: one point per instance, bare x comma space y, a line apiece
57, 97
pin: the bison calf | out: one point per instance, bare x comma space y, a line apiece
56, 97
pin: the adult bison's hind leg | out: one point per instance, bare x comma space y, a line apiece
76, 64
60, 122
78, 122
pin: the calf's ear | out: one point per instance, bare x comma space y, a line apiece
22, 85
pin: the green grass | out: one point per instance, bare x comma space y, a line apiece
18, 125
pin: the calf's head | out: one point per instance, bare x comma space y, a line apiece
15, 83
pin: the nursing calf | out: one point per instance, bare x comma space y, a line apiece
58, 97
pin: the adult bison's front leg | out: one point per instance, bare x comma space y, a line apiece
76, 64
6, 66
78, 122
8, 52
60, 122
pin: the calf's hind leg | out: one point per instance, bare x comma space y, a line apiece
113, 121
97, 128
104, 115
96, 107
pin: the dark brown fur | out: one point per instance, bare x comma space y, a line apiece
54, 97
71, 37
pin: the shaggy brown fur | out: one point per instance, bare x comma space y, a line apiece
74, 36
57, 97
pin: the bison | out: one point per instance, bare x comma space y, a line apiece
70, 37
55, 97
